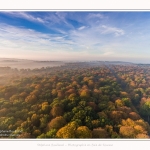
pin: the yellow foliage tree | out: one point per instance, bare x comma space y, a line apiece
127, 132
119, 103
67, 131
83, 132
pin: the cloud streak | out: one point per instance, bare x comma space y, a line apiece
26, 16
109, 30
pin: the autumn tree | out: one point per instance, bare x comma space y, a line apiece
57, 111
99, 133
56, 123
127, 132
45, 107
31, 99
67, 131
83, 132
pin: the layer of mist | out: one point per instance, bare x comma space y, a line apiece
28, 64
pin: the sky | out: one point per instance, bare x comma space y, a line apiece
75, 35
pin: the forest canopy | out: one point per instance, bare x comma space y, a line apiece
76, 100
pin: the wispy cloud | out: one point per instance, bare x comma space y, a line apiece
25, 15
108, 53
26, 38
109, 30
81, 28
29, 17
95, 15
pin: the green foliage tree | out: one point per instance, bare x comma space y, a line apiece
145, 110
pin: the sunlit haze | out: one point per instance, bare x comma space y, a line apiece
76, 36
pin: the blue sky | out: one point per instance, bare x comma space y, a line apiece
75, 36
